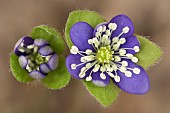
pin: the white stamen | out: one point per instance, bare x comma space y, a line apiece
47, 57
82, 59
125, 30
117, 58
134, 59
114, 67
96, 68
104, 38
82, 74
102, 68
35, 49
88, 51
128, 74
89, 78
124, 63
21, 50
111, 75
115, 39
117, 78
22, 44
28, 68
103, 28
30, 46
112, 26
108, 33
122, 40
73, 66
136, 70
122, 52
129, 55
97, 34
123, 69
83, 69
136, 49
102, 76
90, 41
74, 50
99, 29
88, 65
89, 58
108, 68
96, 42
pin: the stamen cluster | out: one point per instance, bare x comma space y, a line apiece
108, 56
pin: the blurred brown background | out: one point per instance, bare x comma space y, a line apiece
18, 17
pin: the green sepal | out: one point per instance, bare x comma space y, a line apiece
104, 95
19, 73
53, 37
149, 52
58, 78
90, 17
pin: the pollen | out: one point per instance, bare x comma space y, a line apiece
104, 55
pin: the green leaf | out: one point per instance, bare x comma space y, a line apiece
19, 73
90, 17
51, 35
105, 95
58, 78
149, 53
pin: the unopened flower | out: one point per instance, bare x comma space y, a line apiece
107, 52
36, 56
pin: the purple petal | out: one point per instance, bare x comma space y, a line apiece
44, 68
80, 33
130, 43
53, 62
75, 59
27, 41
96, 79
36, 74
137, 84
23, 61
122, 21
40, 42
45, 50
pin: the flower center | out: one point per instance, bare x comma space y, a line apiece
104, 54
39, 59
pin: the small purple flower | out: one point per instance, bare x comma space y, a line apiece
36, 56
107, 53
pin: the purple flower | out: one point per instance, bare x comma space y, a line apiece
36, 56
107, 53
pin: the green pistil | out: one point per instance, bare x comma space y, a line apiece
104, 54
39, 59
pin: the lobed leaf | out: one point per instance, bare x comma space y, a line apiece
51, 35
149, 53
104, 95
58, 78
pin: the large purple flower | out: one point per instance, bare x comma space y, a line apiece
107, 52
36, 56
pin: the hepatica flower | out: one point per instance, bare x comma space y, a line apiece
106, 54
36, 56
